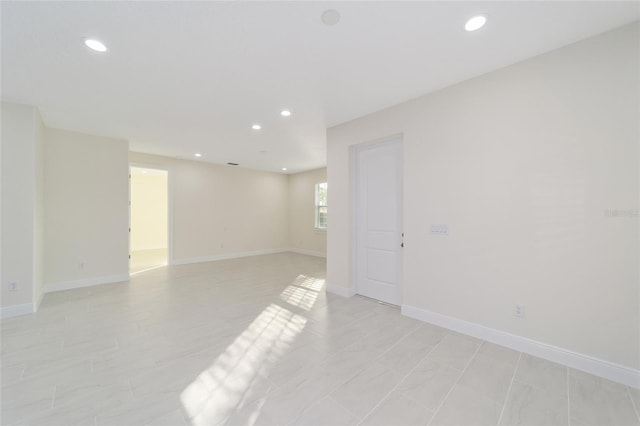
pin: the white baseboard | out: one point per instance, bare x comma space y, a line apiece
227, 256
87, 282
308, 252
340, 291
39, 301
16, 310
608, 370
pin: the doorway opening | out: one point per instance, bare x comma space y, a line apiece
148, 219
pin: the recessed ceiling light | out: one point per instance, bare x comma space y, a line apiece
96, 45
330, 17
197, 154
284, 169
256, 127
285, 113
475, 23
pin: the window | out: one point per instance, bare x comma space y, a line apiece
321, 205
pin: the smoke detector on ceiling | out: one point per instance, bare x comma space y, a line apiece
330, 17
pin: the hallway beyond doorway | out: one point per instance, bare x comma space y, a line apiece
149, 211
144, 260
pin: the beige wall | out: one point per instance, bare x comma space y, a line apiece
221, 210
86, 208
149, 210
22, 206
521, 164
302, 233
38, 212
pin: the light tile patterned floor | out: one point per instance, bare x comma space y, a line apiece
257, 341
144, 260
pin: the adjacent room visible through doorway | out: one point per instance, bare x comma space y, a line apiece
148, 239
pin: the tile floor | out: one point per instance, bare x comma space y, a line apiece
258, 341
144, 260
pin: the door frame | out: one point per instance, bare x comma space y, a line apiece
353, 217
169, 207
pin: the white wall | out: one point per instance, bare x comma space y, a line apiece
149, 210
302, 233
86, 209
222, 211
21, 208
521, 164
38, 213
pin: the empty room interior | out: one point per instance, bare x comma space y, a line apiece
320, 213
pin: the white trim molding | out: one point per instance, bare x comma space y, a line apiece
599, 367
227, 256
340, 290
88, 282
16, 310
308, 252
39, 301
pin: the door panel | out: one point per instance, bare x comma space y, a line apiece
378, 216
381, 239
381, 266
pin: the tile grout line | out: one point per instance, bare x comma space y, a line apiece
131, 389
633, 402
336, 387
53, 398
348, 409
332, 389
528, 383
437, 410
406, 336
400, 381
292, 422
513, 378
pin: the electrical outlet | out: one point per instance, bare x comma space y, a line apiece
13, 286
81, 265
518, 311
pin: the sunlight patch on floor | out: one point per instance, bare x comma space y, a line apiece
238, 376
309, 282
303, 292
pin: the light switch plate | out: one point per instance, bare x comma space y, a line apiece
439, 229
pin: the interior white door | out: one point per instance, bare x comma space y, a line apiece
379, 221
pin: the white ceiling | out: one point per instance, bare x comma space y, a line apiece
146, 171
186, 77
